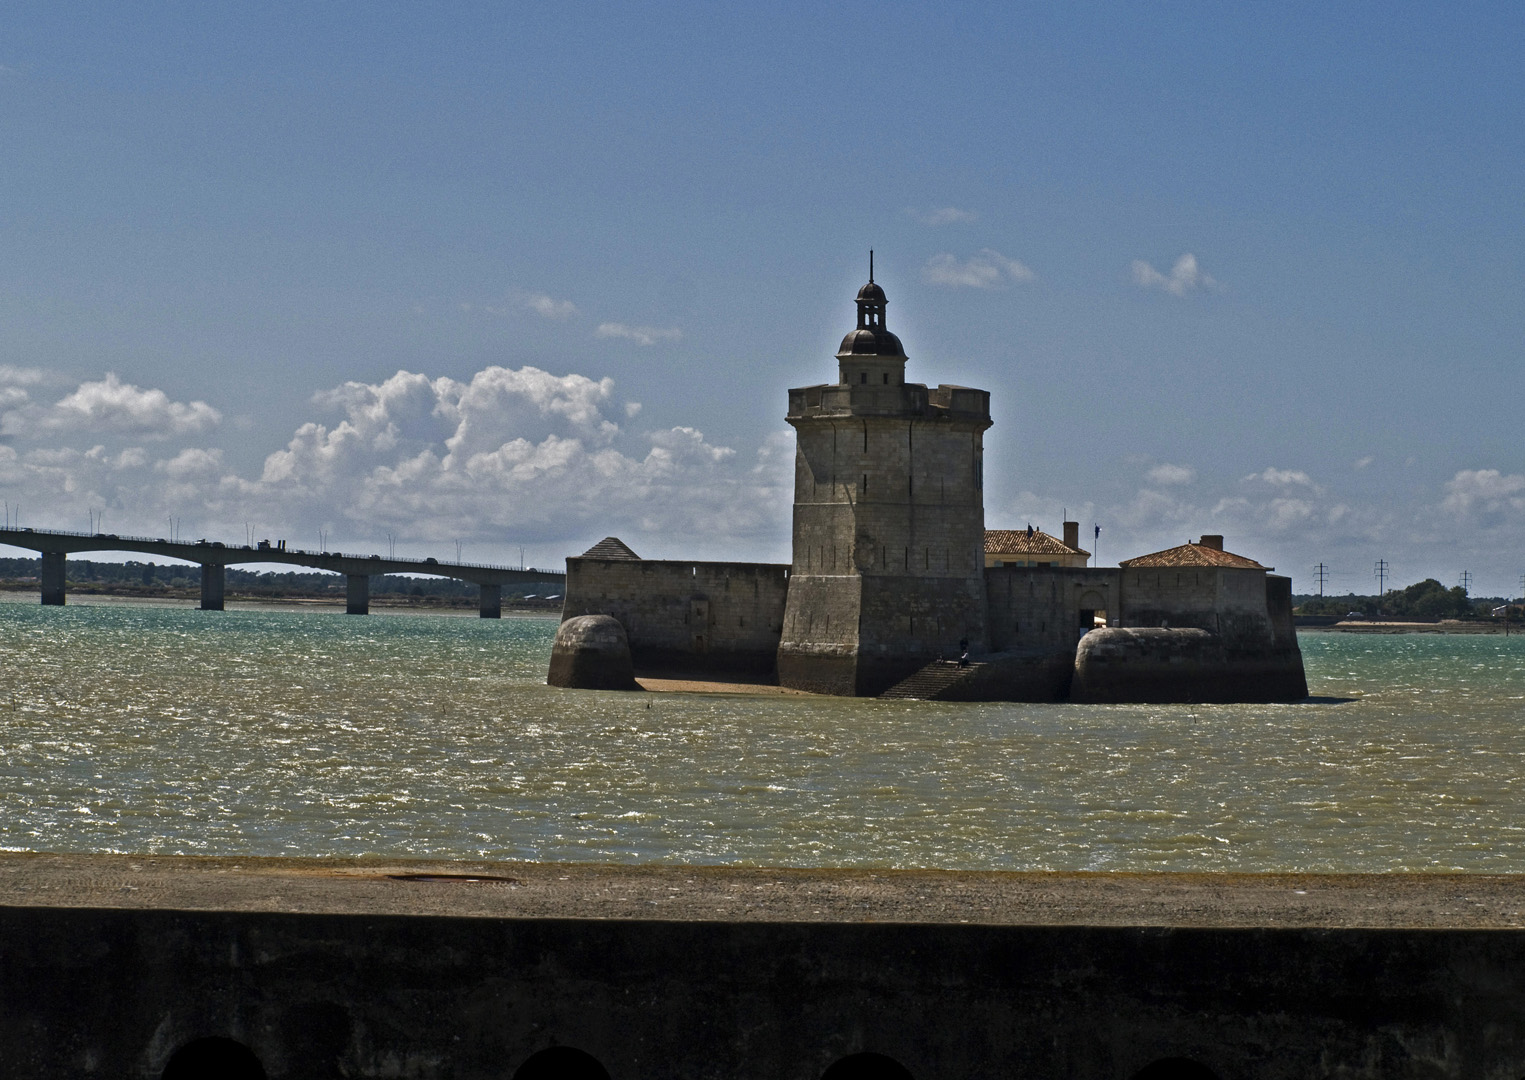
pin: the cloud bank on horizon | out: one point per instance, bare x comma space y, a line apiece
525, 456
506, 457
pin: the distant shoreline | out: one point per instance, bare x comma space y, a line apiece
192, 596
1445, 626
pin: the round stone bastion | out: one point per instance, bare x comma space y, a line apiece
592, 653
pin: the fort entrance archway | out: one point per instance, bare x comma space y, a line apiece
1093, 610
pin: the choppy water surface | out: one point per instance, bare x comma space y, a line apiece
152, 728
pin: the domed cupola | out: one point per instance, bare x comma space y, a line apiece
870, 338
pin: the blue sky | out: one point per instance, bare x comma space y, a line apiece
511, 274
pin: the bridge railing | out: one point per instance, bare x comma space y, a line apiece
279, 551
92, 535
418, 561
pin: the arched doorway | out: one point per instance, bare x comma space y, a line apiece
1092, 611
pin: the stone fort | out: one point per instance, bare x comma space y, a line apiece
896, 588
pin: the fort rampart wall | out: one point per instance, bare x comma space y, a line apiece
1042, 607
719, 615
1228, 602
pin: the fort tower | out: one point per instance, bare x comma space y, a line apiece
889, 518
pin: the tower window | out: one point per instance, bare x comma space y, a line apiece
863, 377
886, 378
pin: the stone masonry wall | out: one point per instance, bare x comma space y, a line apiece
1228, 602
1279, 609
895, 500
686, 614
1039, 607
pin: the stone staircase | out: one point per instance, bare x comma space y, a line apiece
933, 682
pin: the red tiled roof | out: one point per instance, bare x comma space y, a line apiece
1017, 542
1193, 555
610, 547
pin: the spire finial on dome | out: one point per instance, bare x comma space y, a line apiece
870, 266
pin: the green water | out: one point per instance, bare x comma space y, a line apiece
134, 727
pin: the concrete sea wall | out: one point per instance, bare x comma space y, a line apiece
119, 993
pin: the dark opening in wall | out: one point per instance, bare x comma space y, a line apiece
867, 1066
226, 1059
561, 1063
1177, 1068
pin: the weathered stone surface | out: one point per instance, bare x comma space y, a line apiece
889, 532
591, 653
688, 615
1165, 665
1019, 675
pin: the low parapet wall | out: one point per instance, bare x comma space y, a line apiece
372, 970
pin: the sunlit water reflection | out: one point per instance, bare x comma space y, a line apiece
130, 727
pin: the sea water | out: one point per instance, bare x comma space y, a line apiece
160, 728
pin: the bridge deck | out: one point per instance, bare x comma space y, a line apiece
209, 553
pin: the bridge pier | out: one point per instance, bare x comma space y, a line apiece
213, 575
491, 602
53, 577
357, 594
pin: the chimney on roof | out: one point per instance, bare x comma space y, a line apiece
1214, 542
1072, 534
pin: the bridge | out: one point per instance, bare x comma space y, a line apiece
214, 557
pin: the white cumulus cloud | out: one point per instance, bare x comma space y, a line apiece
520, 451
943, 215
1165, 473
507, 455
192, 462
11, 375
1184, 277
988, 269
1487, 493
546, 306
641, 335
108, 405
1283, 478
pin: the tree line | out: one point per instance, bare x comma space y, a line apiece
1427, 599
